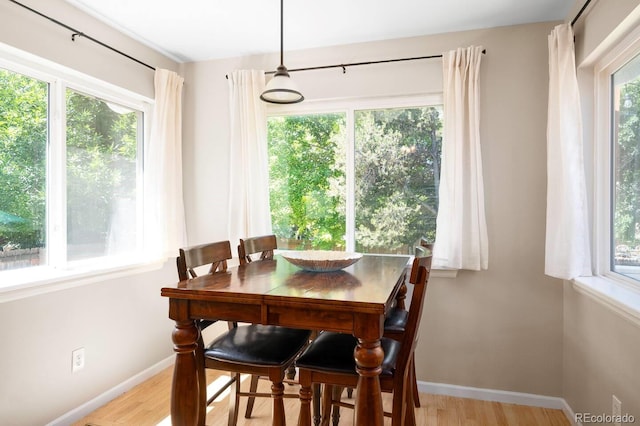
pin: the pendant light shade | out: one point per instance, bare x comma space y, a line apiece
281, 89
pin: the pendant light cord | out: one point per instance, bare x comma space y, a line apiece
281, 32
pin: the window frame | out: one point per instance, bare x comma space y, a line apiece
613, 290
348, 106
603, 162
58, 272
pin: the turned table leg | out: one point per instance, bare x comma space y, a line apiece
369, 356
185, 399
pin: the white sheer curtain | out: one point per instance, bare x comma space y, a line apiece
461, 229
165, 229
249, 212
567, 253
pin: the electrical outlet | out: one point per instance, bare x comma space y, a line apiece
77, 360
616, 410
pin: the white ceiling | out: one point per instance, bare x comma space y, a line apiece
196, 30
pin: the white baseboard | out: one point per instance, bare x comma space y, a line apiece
506, 397
97, 402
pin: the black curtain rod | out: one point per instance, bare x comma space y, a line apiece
78, 33
353, 64
584, 6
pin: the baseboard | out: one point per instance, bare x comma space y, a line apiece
97, 402
506, 397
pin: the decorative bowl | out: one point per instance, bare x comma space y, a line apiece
321, 260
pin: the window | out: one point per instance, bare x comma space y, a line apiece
70, 172
362, 177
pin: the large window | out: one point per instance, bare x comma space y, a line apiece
361, 178
70, 172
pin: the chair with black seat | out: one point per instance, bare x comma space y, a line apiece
246, 349
396, 319
216, 255
329, 360
264, 245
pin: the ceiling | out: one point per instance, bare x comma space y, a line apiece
197, 30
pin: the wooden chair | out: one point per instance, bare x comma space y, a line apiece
265, 245
329, 360
216, 255
396, 320
246, 349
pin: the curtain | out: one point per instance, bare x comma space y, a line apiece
461, 230
165, 229
249, 212
567, 251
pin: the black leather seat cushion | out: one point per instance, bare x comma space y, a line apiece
333, 352
396, 320
258, 345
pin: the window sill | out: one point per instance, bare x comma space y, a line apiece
23, 283
612, 294
443, 273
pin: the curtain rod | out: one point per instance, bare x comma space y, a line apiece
353, 64
78, 33
584, 6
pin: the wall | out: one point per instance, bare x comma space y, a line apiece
498, 329
106, 316
601, 346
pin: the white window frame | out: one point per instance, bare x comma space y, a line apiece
614, 290
60, 274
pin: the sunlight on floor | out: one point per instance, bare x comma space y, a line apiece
212, 388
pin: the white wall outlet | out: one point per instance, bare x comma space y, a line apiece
77, 360
616, 410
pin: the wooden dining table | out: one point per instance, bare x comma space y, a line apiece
275, 292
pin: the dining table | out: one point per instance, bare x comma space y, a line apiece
275, 292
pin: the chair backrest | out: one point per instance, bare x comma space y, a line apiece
410, 336
215, 254
422, 258
265, 245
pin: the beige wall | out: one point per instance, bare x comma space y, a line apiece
121, 322
498, 329
601, 346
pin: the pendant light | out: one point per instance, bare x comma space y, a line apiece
281, 89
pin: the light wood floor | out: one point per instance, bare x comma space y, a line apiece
148, 404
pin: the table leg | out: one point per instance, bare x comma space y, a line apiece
369, 356
185, 392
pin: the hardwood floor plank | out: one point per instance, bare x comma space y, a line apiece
148, 405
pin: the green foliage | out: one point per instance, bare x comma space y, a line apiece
101, 150
23, 154
101, 165
397, 173
627, 157
307, 179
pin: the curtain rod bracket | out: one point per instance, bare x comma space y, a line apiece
74, 35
